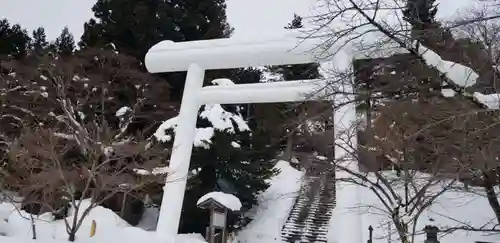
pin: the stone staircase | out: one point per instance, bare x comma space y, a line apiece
308, 220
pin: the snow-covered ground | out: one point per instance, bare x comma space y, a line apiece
359, 206
274, 206
270, 215
15, 227
357, 209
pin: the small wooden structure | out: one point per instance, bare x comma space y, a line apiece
217, 230
431, 234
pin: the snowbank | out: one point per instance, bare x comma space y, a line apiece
227, 200
274, 206
122, 235
16, 226
19, 223
149, 219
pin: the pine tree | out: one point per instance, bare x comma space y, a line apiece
231, 161
39, 43
296, 23
234, 164
133, 26
298, 71
65, 43
420, 13
14, 40
285, 116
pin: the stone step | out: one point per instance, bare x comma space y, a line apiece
295, 231
303, 237
308, 220
325, 215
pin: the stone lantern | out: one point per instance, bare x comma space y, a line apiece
431, 233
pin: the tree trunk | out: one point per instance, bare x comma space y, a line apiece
492, 196
402, 230
33, 226
124, 202
72, 236
289, 148
73, 229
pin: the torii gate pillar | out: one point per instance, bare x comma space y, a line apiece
197, 56
173, 191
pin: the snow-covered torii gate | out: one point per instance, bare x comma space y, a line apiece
197, 56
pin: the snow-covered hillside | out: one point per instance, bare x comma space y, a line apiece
274, 206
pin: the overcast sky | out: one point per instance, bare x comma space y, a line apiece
248, 17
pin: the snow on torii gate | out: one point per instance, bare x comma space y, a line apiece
197, 56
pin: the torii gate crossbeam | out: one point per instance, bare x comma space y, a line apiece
197, 56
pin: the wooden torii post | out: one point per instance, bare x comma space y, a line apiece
197, 56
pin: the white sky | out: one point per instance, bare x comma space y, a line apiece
248, 17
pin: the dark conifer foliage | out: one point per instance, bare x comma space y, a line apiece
65, 43
136, 25
39, 43
420, 13
14, 40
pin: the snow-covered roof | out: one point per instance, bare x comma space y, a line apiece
227, 200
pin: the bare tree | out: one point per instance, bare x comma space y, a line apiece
403, 192
410, 126
52, 173
77, 128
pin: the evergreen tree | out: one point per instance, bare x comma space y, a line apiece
234, 164
14, 40
133, 26
280, 120
65, 43
247, 76
136, 25
296, 23
420, 13
39, 43
298, 71
228, 160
